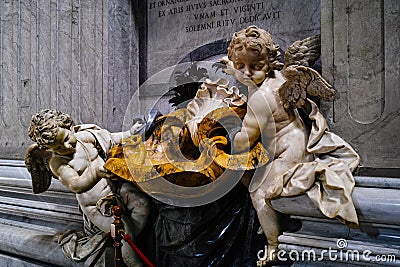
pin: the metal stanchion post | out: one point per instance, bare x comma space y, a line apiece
117, 227
117, 233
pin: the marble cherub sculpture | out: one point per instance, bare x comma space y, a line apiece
75, 154
306, 157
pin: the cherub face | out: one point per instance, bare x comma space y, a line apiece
65, 142
251, 63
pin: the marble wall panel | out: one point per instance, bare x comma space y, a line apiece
80, 57
360, 57
176, 28
123, 59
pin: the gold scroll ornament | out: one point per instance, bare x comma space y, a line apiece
170, 152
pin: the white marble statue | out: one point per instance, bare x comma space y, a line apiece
307, 157
76, 155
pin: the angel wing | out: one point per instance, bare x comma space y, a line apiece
301, 80
37, 163
304, 52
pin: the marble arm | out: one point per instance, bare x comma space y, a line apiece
250, 131
117, 137
136, 128
69, 177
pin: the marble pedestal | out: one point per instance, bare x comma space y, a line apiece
29, 223
376, 241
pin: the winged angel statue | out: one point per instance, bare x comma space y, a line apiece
307, 158
75, 154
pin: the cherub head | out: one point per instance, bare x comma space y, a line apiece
51, 129
254, 53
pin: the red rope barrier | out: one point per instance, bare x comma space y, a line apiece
128, 239
117, 233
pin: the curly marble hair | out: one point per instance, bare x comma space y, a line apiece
258, 40
44, 125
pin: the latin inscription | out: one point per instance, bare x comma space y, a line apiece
176, 28
214, 14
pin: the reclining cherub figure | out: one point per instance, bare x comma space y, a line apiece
306, 158
75, 154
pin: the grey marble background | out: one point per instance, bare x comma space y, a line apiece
361, 59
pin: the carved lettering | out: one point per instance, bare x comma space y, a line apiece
224, 12
225, 23
249, 7
196, 6
175, 10
152, 5
200, 27
214, 13
259, 17
204, 15
223, 2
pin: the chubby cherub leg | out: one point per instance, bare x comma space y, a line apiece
269, 220
268, 217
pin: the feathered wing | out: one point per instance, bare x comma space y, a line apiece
301, 80
37, 163
304, 52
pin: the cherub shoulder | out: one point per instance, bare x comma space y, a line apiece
85, 136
